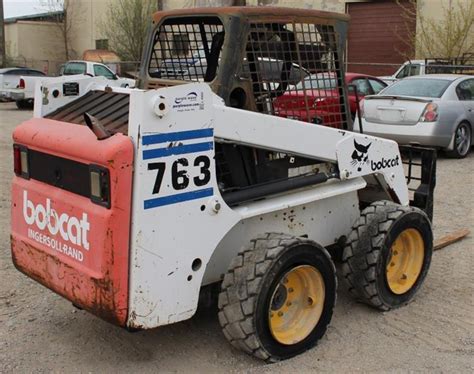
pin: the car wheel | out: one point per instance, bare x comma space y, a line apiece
462, 141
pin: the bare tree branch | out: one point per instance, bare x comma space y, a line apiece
63, 13
450, 37
125, 26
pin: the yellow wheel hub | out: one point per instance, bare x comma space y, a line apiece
405, 261
296, 305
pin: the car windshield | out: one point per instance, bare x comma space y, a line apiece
428, 87
74, 68
318, 82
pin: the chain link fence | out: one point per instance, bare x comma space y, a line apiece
49, 67
130, 69
415, 68
52, 68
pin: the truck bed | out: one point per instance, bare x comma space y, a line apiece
110, 108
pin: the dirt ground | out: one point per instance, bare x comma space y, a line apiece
42, 332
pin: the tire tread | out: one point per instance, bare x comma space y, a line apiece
236, 315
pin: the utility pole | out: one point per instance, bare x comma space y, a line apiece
3, 57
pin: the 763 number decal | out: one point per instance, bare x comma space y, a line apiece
179, 173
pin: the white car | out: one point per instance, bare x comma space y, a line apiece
435, 110
95, 69
429, 66
24, 93
10, 81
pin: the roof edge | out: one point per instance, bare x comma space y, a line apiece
251, 11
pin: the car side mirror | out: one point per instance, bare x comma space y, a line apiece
352, 89
116, 77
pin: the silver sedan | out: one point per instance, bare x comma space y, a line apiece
429, 110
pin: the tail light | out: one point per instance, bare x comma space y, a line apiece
22, 83
20, 161
100, 185
430, 113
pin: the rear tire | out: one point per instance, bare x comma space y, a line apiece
462, 141
388, 254
24, 104
277, 297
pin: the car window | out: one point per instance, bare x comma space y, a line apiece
377, 86
74, 68
15, 72
35, 73
363, 87
465, 90
414, 69
404, 72
319, 81
102, 71
423, 87
409, 70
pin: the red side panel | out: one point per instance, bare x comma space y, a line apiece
65, 241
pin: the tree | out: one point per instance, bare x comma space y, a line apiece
126, 25
449, 37
63, 13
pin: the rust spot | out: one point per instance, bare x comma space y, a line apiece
97, 296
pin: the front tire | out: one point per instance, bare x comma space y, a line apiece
462, 141
388, 254
277, 297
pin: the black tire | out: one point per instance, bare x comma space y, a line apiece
368, 252
461, 151
24, 104
251, 283
20, 104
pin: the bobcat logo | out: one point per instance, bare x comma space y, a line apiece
360, 156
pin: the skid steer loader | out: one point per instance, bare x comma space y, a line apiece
129, 202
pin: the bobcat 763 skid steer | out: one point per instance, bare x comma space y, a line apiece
128, 202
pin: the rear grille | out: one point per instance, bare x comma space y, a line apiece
60, 172
110, 108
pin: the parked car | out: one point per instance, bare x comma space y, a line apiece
435, 110
429, 66
24, 93
95, 69
322, 92
10, 79
182, 67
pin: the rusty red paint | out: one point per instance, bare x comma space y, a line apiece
257, 12
97, 280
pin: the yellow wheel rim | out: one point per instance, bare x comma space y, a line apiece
296, 304
405, 261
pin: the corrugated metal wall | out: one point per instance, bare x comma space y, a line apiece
378, 33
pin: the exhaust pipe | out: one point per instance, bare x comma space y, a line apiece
96, 127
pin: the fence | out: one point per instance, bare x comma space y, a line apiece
131, 69
52, 67
49, 67
437, 67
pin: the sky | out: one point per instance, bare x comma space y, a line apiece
15, 8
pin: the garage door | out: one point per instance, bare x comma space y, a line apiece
378, 34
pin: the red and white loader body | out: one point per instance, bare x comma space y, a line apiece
131, 227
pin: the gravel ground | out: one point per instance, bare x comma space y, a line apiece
42, 332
